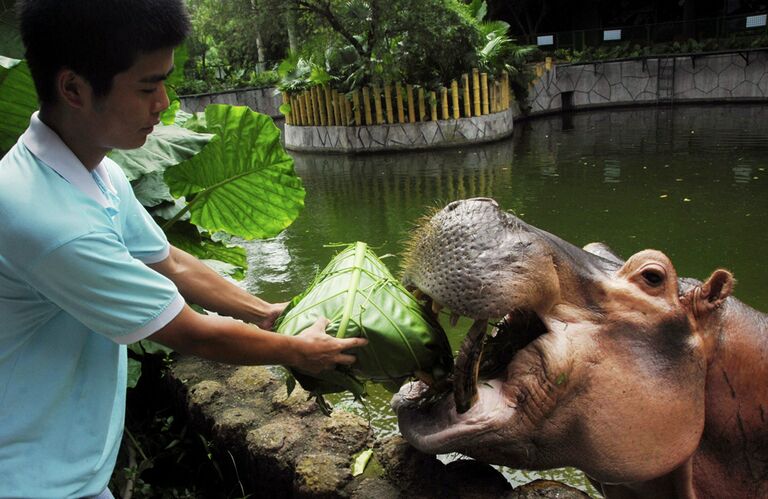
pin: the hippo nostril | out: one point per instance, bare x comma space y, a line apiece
452, 206
486, 200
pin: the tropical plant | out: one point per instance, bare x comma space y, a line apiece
361, 298
363, 41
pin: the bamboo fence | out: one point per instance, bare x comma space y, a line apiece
474, 94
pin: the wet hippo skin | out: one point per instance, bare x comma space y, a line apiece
652, 384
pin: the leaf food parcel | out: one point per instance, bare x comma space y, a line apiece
361, 298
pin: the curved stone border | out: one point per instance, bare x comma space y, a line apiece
401, 137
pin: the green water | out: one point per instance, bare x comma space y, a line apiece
691, 181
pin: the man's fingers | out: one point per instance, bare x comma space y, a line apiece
345, 359
353, 342
322, 322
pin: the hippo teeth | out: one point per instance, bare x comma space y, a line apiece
467, 366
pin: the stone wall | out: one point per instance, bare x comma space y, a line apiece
400, 137
721, 77
262, 100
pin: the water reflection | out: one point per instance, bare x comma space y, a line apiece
689, 181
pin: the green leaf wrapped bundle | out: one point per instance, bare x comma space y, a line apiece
361, 298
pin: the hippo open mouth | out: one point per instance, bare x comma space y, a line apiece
483, 263
540, 297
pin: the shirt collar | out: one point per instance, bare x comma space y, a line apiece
51, 150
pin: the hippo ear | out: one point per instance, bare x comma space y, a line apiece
712, 293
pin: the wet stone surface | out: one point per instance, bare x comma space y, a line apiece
283, 446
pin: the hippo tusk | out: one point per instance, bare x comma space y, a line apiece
468, 365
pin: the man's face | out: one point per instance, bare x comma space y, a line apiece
127, 114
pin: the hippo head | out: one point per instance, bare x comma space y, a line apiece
593, 362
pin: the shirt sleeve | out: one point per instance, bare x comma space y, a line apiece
94, 279
144, 239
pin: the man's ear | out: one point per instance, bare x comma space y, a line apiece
72, 88
712, 293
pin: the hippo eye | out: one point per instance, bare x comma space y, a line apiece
653, 277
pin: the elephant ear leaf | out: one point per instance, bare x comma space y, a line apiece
165, 146
18, 100
243, 182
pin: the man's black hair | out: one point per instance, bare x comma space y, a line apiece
95, 38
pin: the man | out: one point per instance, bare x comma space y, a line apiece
83, 268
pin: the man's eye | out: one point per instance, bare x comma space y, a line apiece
147, 90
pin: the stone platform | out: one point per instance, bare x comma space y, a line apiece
284, 447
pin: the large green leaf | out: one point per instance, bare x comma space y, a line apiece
151, 190
18, 100
165, 146
187, 237
361, 298
10, 38
243, 182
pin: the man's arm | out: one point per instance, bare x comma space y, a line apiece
228, 340
201, 285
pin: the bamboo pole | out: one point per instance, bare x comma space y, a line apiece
492, 98
377, 104
505, 89
316, 105
294, 110
367, 106
347, 109
320, 105
411, 106
399, 103
304, 109
465, 87
444, 102
422, 107
356, 101
308, 107
388, 103
328, 105
297, 107
476, 91
336, 110
484, 91
455, 98
302, 116
286, 100
313, 105
433, 105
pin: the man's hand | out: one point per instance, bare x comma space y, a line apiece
273, 312
318, 351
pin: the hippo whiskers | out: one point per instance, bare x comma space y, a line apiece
652, 384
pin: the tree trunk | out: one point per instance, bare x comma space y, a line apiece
290, 23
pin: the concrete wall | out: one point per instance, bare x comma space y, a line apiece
722, 77
263, 100
399, 137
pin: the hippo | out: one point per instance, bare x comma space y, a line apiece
654, 385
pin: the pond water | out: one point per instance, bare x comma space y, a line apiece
691, 181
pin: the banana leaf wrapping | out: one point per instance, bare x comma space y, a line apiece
361, 298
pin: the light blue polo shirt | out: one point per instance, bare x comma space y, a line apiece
74, 290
